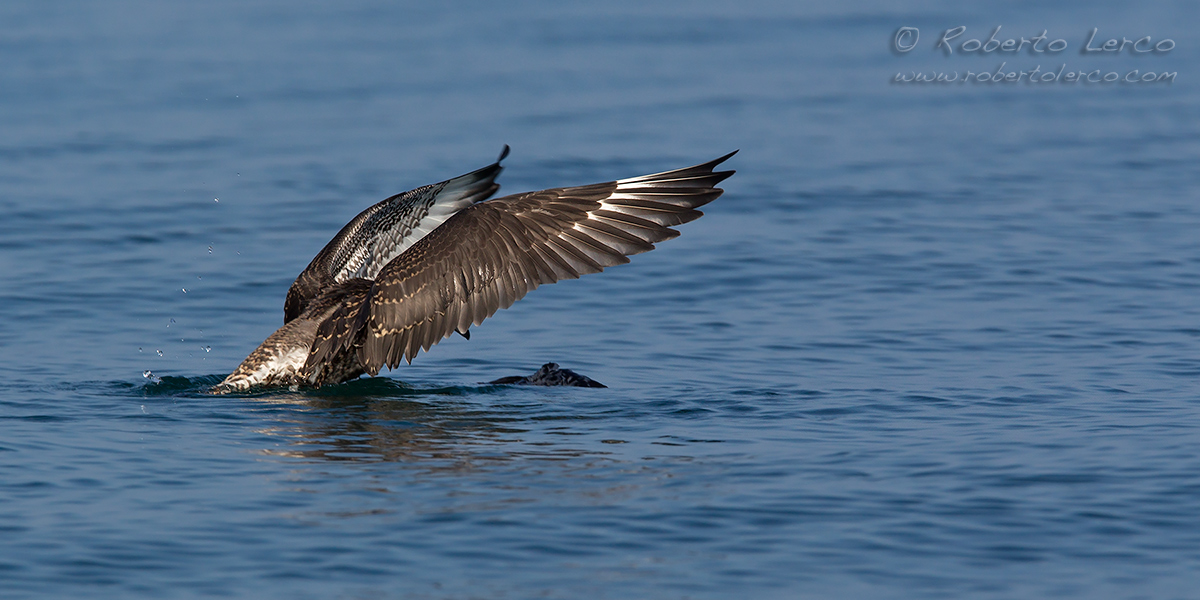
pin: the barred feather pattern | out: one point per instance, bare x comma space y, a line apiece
282, 359
385, 230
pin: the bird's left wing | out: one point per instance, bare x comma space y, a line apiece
384, 231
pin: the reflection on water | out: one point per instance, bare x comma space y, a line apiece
382, 419
395, 428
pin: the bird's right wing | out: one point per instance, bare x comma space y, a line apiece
490, 255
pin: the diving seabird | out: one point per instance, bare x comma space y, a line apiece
422, 265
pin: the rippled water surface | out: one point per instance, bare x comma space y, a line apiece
936, 340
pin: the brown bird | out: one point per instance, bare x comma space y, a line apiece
422, 265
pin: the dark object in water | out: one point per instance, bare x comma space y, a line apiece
551, 375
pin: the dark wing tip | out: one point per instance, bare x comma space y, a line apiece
724, 158
698, 176
723, 175
504, 153
712, 164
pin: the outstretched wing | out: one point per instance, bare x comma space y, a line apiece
490, 255
384, 231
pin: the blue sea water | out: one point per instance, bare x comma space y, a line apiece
935, 341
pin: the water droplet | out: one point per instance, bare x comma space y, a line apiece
160, 352
147, 374
216, 199
210, 248
208, 348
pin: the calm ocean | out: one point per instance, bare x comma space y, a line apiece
937, 340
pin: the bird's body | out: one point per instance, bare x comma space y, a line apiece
422, 265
